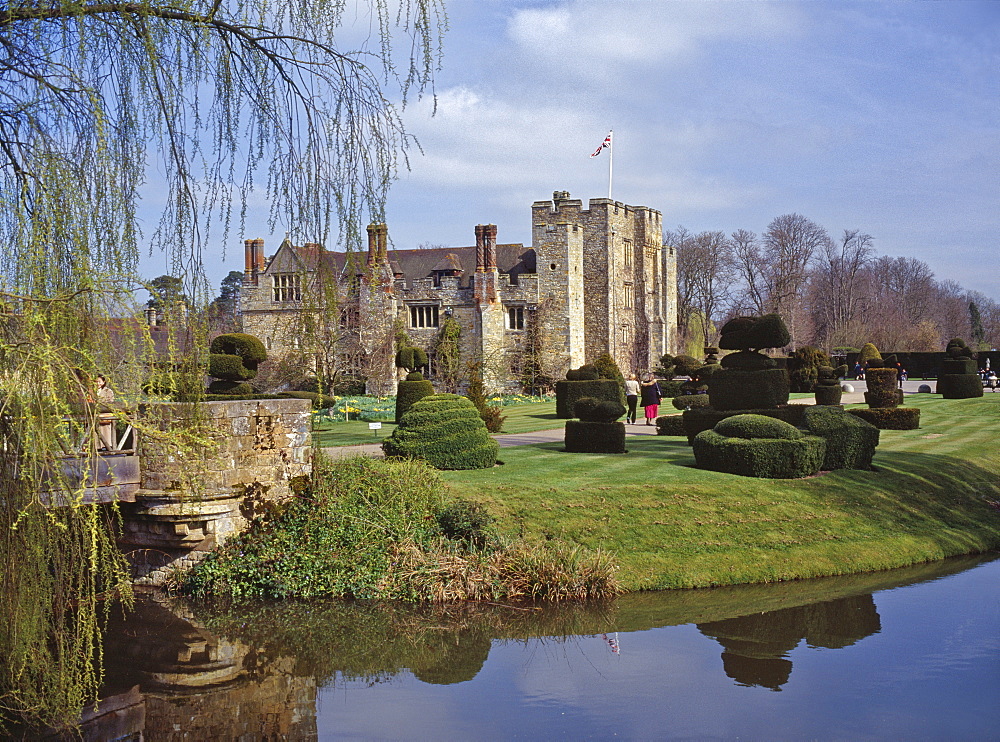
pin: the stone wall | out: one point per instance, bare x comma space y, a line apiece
193, 496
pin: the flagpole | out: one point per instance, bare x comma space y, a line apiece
611, 161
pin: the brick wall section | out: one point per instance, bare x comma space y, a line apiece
191, 500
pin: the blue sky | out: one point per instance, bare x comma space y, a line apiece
859, 115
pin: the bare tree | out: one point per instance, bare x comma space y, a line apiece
748, 263
838, 295
705, 269
789, 245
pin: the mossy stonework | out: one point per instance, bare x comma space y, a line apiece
254, 451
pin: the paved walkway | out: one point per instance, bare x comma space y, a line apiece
507, 440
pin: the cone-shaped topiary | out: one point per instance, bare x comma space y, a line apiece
867, 354
444, 430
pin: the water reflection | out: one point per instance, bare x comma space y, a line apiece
178, 671
756, 647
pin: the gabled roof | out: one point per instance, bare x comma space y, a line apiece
513, 259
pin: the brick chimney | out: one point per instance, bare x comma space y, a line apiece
480, 249
253, 260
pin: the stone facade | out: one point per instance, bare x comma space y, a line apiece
596, 280
192, 498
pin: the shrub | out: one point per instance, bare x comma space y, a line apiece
607, 368
868, 353
890, 418
247, 347
771, 458
690, 401
229, 388
747, 360
588, 372
697, 420
850, 440
882, 389
408, 392
756, 426
669, 388
686, 365
595, 437
731, 389
598, 410
491, 415
444, 430
665, 367
754, 333
411, 357
568, 392
670, 425
958, 348
803, 368
319, 401
466, 522
828, 395
414, 376
959, 386
229, 368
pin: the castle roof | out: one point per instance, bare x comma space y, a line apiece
513, 259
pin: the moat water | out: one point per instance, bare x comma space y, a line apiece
911, 654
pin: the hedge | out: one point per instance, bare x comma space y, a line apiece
890, 418
769, 458
828, 395
569, 392
756, 426
226, 388
229, 367
732, 389
850, 440
408, 392
319, 401
691, 402
584, 436
444, 430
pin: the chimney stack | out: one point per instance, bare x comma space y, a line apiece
480, 249
490, 246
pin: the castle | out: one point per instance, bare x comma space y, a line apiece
595, 280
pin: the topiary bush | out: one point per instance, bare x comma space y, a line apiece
749, 379
791, 456
233, 360
850, 440
669, 388
444, 430
868, 354
408, 392
597, 430
670, 425
411, 357
756, 426
803, 368
685, 365
890, 418
958, 377
569, 391
828, 390
690, 402
882, 388
697, 420
607, 368
584, 436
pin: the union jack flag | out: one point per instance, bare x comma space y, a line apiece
605, 143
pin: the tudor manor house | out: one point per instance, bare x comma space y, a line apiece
595, 280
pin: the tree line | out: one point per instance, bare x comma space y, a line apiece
834, 293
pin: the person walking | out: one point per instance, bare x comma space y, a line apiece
650, 392
631, 397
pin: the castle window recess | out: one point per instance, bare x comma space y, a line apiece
515, 318
629, 301
424, 315
628, 253
287, 287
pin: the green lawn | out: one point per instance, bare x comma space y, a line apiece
935, 493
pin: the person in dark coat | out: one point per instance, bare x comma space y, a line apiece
650, 396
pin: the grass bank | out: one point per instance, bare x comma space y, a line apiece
935, 493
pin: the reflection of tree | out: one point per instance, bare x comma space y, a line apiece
756, 646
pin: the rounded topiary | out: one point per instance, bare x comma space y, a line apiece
747, 360
411, 357
756, 426
229, 368
414, 376
958, 348
247, 347
867, 354
444, 430
772, 458
850, 440
409, 392
754, 333
686, 365
588, 372
670, 425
